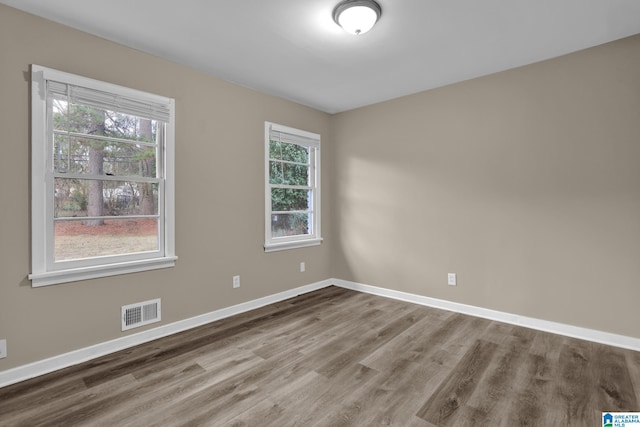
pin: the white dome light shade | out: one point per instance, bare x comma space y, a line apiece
357, 16
357, 20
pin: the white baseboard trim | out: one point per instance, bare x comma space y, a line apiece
32, 370
607, 338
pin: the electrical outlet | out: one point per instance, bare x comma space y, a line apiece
302, 267
452, 280
3, 349
236, 281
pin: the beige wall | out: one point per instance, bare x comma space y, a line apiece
526, 183
219, 185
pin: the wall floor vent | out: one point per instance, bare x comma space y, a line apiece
140, 314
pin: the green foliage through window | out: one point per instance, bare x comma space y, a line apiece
289, 166
292, 188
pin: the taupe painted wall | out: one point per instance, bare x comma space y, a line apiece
219, 189
525, 183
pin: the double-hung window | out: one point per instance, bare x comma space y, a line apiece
102, 179
292, 190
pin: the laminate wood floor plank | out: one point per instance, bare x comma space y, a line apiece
94, 413
633, 363
310, 315
210, 398
340, 343
412, 422
547, 345
458, 344
354, 378
282, 402
399, 391
442, 408
315, 330
532, 398
38, 396
497, 332
419, 342
576, 385
357, 407
316, 336
613, 380
70, 410
100, 400
468, 416
495, 392
369, 342
250, 392
293, 405
336, 357
324, 396
179, 388
404, 342
333, 337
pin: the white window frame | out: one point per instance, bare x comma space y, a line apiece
44, 270
311, 140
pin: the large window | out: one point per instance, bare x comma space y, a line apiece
102, 179
292, 190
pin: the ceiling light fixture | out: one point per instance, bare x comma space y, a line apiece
357, 16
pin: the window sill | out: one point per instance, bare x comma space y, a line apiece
273, 247
94, 272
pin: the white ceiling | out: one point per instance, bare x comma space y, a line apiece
293, 49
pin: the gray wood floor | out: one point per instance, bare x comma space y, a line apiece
335, 357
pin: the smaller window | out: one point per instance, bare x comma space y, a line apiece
292, 188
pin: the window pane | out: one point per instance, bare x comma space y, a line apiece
84, 197
80, 118
78, 240
98, 157
60, 113
284, 199
288, 152
275, 173
288, 174
295, 174
274, 150
62, 161
290, 224
295, 153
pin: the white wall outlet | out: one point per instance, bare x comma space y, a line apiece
3, 349
452, 279
236, 281
302, 267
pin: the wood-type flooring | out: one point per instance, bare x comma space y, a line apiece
336, 357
